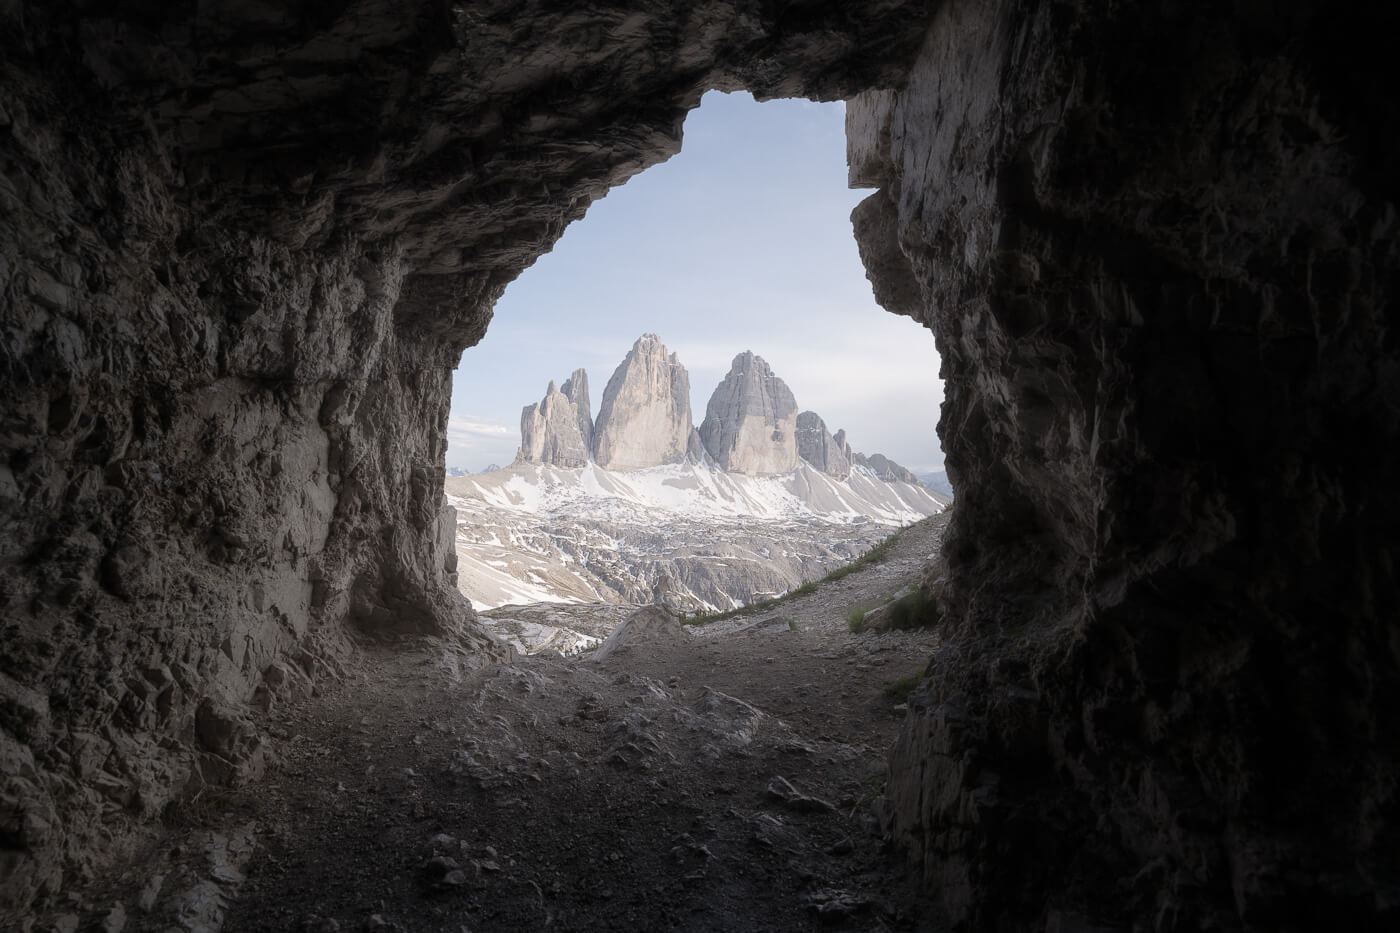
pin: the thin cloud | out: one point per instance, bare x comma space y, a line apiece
461, 429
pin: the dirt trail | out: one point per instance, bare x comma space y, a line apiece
712, 778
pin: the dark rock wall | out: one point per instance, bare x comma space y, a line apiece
242, 246
1157, 244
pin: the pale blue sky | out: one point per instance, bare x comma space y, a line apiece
741, 242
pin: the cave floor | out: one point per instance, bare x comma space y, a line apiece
724, 778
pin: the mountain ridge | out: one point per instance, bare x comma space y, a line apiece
688, 535
752, 423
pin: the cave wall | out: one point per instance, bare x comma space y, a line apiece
242, 246
1157, 245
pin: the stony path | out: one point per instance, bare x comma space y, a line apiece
713, 779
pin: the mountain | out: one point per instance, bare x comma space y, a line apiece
644, 419
559, 430
755, 502
687, 534
820, 449
886, 469
938, 482
750, 423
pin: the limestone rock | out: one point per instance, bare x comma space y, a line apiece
559, 429
228, 335
1170, 571
649, 625
886, 469
819, 448
644, 418
750, 423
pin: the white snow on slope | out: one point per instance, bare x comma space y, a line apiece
694, 492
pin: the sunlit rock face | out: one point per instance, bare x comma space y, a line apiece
644, 416
242, 246
559, 429
750, 422
1158, 248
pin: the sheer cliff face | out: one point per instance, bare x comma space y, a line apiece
644, 417
559, 429
819, 448
1158, 248
241, 249
750, 423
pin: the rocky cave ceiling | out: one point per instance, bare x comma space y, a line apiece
243, 244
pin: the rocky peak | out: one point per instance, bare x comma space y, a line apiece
886, 469
559, 430
820, 449
750, 423
644, 419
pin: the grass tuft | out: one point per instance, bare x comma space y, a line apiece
913, 610
898, 690
855, 618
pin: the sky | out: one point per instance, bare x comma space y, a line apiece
740, 242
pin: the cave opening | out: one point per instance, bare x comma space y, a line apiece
1157, 242
741, 242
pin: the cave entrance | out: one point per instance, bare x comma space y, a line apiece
741, 242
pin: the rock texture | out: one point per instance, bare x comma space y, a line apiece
884, 468
644, 418
689, 535
819, 448
750, 422
242, 247
1158, 248
243, 244
559, 429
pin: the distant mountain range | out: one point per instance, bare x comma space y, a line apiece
458, 471
752, 423
641, 506
938, 482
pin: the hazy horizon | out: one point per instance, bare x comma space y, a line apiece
740, 242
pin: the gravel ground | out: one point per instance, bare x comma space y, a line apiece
716, 777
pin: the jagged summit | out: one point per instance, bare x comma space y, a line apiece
750, 423
644, 420
831, 455
559, 430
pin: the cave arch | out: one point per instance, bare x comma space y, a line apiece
242, 249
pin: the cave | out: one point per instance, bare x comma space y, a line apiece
243, 245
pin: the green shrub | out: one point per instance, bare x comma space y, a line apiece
855, 618
913, 610
899, 690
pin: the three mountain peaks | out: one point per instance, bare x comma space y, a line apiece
752, 424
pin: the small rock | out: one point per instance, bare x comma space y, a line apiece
780, 788
146, 900
115, 921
